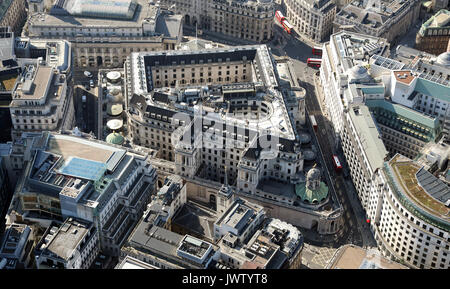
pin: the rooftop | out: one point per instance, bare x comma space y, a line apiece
65, 241
36, 83
97, 13
408, 179
405, 117
438, 20
369, 135
239, 215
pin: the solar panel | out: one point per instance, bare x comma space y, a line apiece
83, 169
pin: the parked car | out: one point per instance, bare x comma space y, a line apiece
87, 74
91, 83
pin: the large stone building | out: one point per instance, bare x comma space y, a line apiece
385, 18
228, 114
311, 18
13, 14
104, 35
375, 107
41, 97
68, 176
249, 20
434, 35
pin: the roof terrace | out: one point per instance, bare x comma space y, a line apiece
402, 173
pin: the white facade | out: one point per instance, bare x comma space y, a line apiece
313, 19
41, 98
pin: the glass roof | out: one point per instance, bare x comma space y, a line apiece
83, 169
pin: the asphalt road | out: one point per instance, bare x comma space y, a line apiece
86, 113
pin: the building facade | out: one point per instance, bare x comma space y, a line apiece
13, 14
175, 105
388, 19
249, 20
434, 35
378, 106
112, 194
105, 39
42, 98
312, 19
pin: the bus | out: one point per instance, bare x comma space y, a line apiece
279, 16
317, 50
314, 62
287, 26
313, 122
337, 164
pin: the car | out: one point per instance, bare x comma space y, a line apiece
87, 87
91, 83
88, 74
83, 98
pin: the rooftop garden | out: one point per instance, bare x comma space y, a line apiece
7, 82
405, 172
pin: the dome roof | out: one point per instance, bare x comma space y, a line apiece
115, 138
114, 109
114, 124
358, 72
313, 174
444, 59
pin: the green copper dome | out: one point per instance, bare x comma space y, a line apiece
311, 196
115, 138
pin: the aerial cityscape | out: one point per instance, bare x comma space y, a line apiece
224, 134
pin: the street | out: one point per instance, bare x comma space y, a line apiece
85, 112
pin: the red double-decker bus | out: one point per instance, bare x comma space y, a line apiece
314, 62
279, 16
317, 50
337, 164
287, 26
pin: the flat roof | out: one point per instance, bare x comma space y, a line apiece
143, 12
42, 78
70, 146
66, 240
405, 172
369, 135
404, 76
353, 257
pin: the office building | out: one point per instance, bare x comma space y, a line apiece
73, 245
41, 97
434, 35
311, 18
102, 34
16, 245
68, 176
13, 14
249, 20
388, 19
